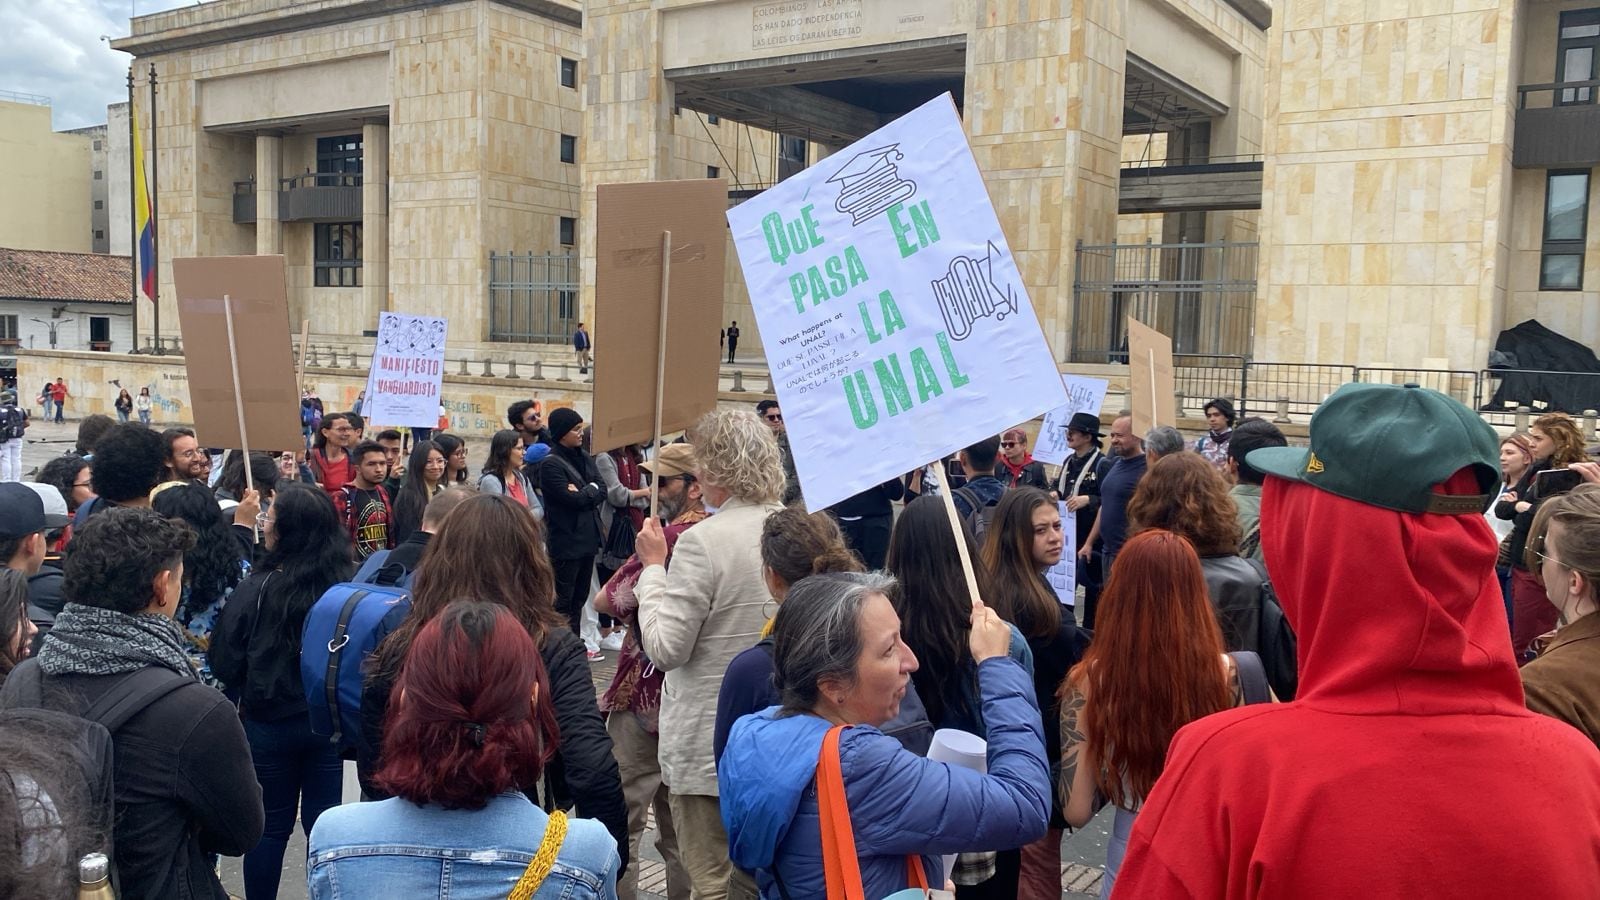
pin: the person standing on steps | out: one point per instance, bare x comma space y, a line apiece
733, 341
581, 345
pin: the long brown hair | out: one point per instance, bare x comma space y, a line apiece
1187, 496
1155, 664
1017, 593
489, 548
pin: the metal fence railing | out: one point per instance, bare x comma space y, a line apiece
533, 297
1202, 295
1290, 388
1202, 378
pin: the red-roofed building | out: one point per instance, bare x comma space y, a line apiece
63, 301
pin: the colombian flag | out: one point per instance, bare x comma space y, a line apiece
143, 223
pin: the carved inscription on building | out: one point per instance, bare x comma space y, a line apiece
788, 23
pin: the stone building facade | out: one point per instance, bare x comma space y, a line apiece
384, 148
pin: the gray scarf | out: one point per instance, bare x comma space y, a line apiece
88, 640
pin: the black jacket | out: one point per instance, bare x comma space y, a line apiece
1032, 475
583, 772
1053, 658
44, 600
253, 653
572, 497
875, 501
1521, 522
409, 551
1235, 588
1089, 488
185, 786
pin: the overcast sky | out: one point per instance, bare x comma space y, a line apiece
53, 48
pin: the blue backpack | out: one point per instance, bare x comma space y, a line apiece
342, 629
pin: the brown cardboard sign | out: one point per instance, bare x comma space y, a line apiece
255, 289
629, 222
1153, 391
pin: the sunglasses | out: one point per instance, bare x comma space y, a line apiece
774, 417
1008, 443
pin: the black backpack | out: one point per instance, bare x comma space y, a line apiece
981, 515
1276, 641
13, 423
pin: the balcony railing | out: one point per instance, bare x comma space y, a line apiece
320, 197
1558, 125
244, 202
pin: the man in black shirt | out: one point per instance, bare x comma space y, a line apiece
363, 505
1079, 485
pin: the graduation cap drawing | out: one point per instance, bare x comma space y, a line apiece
870, 183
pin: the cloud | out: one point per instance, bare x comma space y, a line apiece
53, 48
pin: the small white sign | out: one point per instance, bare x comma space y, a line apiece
895, 321
403, 384
1084, 395
1063, 576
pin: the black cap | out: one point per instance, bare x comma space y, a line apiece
1085, 422
21, 511
563, 420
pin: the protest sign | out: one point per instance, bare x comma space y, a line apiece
1152, 391
266, 406
1063, 576
1084, 395
407, 370
895, 322
630, 349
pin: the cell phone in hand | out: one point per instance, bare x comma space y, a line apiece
1551, 482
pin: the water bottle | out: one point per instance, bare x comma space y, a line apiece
94, 878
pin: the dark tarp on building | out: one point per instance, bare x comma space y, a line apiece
1544, 371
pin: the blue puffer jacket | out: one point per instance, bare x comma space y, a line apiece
899, 803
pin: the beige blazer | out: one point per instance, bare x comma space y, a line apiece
693, 621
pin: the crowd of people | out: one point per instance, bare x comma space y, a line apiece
1362, 636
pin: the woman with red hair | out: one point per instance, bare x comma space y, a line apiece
471, 728
1156, 664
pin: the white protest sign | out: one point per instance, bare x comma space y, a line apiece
407, 368
896, 325
1084, 395
1063, 576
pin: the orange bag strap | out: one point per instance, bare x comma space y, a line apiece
841, 867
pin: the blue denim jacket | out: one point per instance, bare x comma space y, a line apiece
395, 848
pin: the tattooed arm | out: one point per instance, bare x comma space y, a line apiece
1076, 787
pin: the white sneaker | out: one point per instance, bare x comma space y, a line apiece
596, 656
612, 641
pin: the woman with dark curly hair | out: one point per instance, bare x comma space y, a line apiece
214, 566
70, 475
1186, 495
256, 652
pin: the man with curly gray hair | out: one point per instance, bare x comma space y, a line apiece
695, 619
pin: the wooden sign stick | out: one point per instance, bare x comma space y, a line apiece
238, 392
661, 364
948, 495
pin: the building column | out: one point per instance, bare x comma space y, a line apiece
629, 126
1051, 165
269, 165
1385, 196
374, 221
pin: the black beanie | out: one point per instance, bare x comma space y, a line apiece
562, 421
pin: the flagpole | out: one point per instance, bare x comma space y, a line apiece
133, 220
155, 216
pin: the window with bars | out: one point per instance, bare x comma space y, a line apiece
1566, 214
338, 254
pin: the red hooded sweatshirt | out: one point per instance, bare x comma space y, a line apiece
1407, 766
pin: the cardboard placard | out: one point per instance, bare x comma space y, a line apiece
1152, 391
1084, 395
629, 221
403, 384
255, 289
896, 324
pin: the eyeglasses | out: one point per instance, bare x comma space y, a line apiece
1547, 558
78, 484
1008, 443
773, 417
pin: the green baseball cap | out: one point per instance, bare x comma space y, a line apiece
1388, 446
